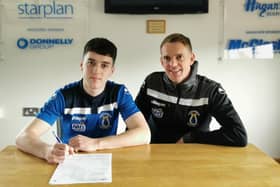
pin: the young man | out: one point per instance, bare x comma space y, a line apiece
178, 103
89, 111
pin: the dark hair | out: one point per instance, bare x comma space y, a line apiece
177, 37
101, 46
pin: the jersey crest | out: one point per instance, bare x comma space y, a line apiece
105, 119
193, 118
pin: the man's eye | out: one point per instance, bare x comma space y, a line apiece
104, 65
166, 58
180, 57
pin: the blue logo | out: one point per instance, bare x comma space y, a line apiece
43, 43
264, 9
238, 44
22, 43
51, 10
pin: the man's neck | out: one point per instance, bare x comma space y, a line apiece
93, 92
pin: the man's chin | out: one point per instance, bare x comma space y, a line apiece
175, 80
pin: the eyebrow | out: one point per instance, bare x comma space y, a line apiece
104, 62
173, 55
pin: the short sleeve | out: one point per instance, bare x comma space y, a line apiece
126, 104
52, 109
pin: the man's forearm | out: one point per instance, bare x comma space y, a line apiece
33, 146
132, 137
217, 137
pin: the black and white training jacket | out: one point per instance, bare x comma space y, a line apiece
185, 110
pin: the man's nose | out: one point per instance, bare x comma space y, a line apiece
96, 68
173, 61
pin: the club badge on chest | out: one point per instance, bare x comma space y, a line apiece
193, 118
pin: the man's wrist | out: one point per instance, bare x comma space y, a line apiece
46, 152
98, 143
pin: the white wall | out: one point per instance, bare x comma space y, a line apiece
252, 86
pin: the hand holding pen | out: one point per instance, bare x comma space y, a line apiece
57, 138
59, 151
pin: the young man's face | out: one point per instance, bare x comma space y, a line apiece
176, 59
96, 70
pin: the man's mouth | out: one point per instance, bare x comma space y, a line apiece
175, 72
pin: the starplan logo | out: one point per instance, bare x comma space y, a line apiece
43, 43
239, 44
264, 9
51, 10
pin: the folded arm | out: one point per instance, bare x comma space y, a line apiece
138, 133
232, 131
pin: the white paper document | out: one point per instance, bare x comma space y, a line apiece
84, 168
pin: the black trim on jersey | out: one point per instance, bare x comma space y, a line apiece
77, 97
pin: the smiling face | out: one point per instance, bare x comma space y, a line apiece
96, 70
176, 59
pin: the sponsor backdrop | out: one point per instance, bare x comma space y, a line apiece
251, 29
42, 26
41, 45
40, 49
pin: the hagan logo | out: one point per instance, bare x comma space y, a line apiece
264, 9
51, 10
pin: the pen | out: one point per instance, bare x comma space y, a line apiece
57, 138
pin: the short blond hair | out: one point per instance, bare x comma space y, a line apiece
177, 37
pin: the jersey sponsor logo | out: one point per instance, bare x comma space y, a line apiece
79, 127
78, 123
157, 112
105, 119
193, 118
79, 118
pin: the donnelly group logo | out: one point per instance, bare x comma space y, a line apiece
43, 43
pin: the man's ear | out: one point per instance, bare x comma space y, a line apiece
113, 69
161, 62
81, 65
192, 58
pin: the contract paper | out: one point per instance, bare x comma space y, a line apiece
84, 168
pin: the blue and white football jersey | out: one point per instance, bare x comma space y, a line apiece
90, 116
